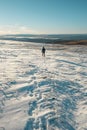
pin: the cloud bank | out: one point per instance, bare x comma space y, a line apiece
10, 29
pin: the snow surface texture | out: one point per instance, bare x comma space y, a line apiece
43, 93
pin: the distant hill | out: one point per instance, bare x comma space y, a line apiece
56, 39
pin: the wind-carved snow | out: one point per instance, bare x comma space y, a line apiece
43, 93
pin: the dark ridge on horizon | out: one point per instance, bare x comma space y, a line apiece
85, 34
47, 38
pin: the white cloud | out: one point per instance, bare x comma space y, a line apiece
16, 29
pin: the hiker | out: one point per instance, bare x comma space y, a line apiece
43, 51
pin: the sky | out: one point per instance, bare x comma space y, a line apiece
43, 16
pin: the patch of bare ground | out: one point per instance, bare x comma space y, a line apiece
74, 42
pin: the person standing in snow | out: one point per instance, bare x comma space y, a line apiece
43, 51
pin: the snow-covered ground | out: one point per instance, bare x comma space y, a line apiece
38, 93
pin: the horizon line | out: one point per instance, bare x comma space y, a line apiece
45, 34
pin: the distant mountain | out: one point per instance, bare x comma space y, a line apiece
50, 38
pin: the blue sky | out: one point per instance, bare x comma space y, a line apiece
43, 16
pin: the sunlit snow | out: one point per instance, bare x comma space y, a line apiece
43, 93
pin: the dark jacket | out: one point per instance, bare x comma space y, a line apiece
43, 50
